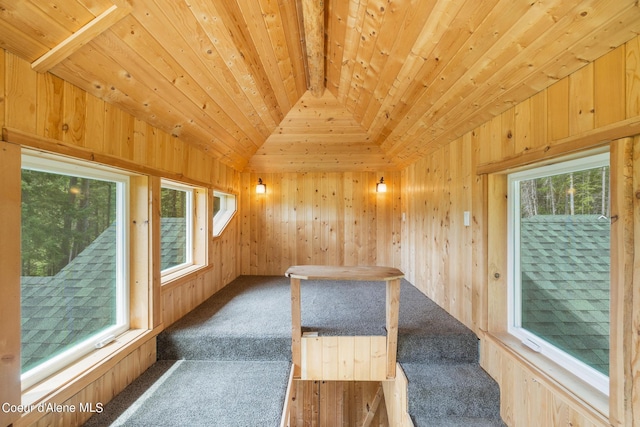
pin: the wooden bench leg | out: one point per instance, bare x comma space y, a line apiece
296, 327
393, 311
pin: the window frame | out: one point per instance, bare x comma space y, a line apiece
43, 162
223, 217
514, 308
190, 220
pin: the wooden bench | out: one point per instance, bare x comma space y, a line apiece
345, 358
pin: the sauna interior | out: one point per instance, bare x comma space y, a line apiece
451, 104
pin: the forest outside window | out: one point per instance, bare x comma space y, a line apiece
559, 250
74, 263
176, 227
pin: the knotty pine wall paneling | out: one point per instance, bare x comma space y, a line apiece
111, 381
448, 261
332, 218
336, 404
43, 112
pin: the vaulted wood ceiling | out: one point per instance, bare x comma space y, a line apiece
401, 77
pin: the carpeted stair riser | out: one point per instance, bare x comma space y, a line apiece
439, 355
436, 349
223, 348
440, 349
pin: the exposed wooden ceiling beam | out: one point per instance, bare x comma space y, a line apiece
81, 37
313, 13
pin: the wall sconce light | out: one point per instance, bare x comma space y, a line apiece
381, 187
261, 188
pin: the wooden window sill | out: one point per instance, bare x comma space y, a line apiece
67, 382
556, 377
181, 274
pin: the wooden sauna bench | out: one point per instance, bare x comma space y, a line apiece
345, 358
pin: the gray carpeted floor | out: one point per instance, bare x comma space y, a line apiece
227, 362
201, 393
251, 318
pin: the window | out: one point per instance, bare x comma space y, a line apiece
176, 227
559, 283
224, 206
74, 263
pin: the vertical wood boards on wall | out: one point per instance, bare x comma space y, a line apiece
632, 73
3, 97
601, 94
438, 191
508, 134
634, 401
50, 106
74, 117
564, 109
496, 278
332, 218
479, 250
141, 273
20, 92
75, 123
336, 404
609, 88
558, 113
621, 298
94, 131
10, 279
44, 105
183, 295
101, 391
581, 100
524, 398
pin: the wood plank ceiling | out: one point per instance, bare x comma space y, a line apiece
402, 76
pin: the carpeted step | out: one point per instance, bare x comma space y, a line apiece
451, 391
201, 393
250, 319
456, 422
428, 334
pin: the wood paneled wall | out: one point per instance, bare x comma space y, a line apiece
319, 218
46, 106
448, 261
43, 112
528, 398
438, 249
337, 404
185, 294
109, 383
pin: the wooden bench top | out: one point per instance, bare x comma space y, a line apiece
326, 272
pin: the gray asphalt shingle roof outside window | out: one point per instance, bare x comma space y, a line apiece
565, 286
61, 310
565, 283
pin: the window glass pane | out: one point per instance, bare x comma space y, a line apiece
224, 207
173, 228
564, 262
69, 263
216, 204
